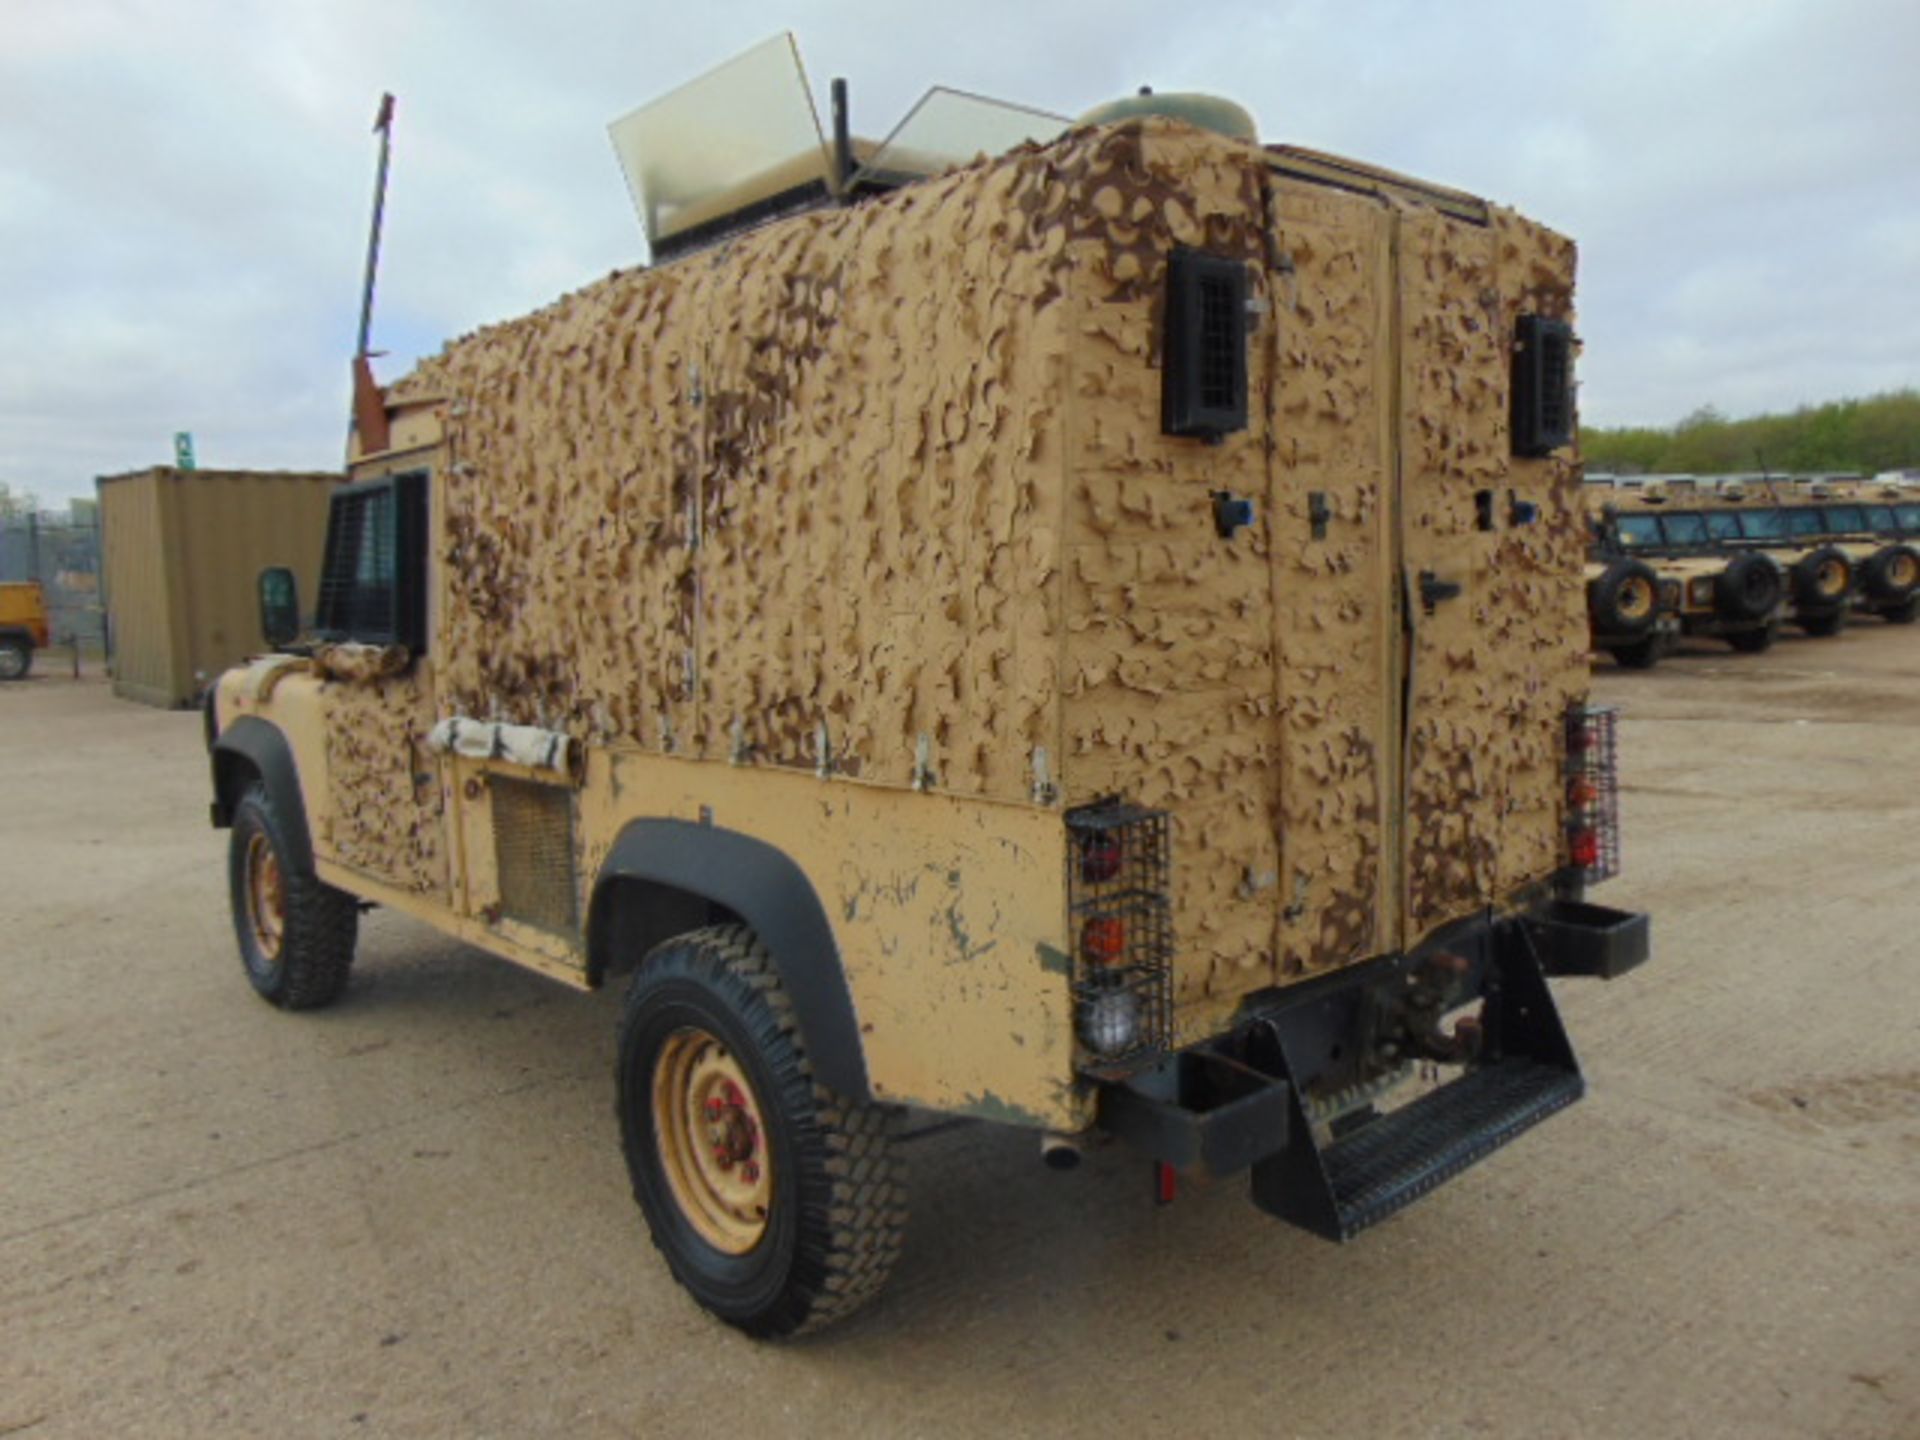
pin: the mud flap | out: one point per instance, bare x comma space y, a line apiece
1360, 1176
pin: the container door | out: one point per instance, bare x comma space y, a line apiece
1335, 607
1496, 643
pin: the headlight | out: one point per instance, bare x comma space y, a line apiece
1700, 591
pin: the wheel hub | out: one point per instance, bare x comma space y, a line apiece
266, 897
712, 1140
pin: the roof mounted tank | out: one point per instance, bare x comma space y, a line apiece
1208, 112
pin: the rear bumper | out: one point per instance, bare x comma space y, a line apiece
1278, 1094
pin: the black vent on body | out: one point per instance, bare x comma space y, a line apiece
1542, 385
1204, 374
373, 579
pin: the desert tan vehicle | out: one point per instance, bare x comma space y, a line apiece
1089, 640
23, 627
1877, 526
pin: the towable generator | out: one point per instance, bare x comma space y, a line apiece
1087, 635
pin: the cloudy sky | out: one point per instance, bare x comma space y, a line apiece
184, 184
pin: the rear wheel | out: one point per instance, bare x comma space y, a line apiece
296, 933
1752, 642
1824, 625
1903, 614
16, 658
779, 1205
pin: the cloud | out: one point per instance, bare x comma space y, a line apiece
186, 189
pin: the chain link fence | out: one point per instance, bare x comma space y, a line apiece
64, 556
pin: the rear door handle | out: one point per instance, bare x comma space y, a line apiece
1433, 590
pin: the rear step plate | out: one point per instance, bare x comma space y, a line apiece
1387, 1165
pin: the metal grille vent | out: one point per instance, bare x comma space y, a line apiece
1593, 791
533, 853
1122, 932
1542, 385
1204, 368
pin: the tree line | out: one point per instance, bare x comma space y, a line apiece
1871, 435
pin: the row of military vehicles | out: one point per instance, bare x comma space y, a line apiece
1740, 560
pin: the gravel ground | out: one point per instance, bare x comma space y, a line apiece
408, 1215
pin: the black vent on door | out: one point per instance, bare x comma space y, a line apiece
1542, 385
1204, 374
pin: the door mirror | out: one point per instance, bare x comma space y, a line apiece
279, 606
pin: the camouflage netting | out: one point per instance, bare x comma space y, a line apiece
896, 471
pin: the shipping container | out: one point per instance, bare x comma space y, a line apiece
183, 551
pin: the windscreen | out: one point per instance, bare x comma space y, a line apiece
1909, 516
1639, 529
1764, 524
1723, 525
1686, 530
1845, 519
1803, 522
1880, 520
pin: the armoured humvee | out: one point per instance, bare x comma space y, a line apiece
1087, 638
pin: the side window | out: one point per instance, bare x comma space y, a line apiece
1909, 519
1640, 529
1804, 522
373, 579
1764, 524
1880, 519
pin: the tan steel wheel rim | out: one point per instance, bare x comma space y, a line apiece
712, 1140
1904, 571
266, 897
1636, 599
1832, 579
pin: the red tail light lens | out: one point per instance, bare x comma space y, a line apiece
1103, 939
1584, 849
1102, 854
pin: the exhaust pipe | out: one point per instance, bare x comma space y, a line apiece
1059, 1152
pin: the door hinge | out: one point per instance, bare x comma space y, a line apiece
1433, 590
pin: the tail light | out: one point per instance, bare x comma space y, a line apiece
1117, 873
1593, 793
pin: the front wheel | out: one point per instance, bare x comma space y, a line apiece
1903, 614
16, 658
778, 1205
1752, 642
1822, 626
296, 932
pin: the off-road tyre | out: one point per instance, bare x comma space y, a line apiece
16, 659
1822, 626
1752, 642
1891, 576
1624, 599
1903, 614
1809, 580
1748, 590
308, 967
1640, 655
837, 1204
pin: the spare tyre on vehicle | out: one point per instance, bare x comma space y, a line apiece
1890, 579
1623, 600
1748, 591
1821, 582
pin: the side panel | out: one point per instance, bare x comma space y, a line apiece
949, 915
385, 807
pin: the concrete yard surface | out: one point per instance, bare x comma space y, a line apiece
408, 1214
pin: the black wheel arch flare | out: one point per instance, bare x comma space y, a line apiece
656, 858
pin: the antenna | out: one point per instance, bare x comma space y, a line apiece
370, 424
383, 126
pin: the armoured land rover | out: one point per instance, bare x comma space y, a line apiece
1087, 638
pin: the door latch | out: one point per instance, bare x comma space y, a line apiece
1433, 590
